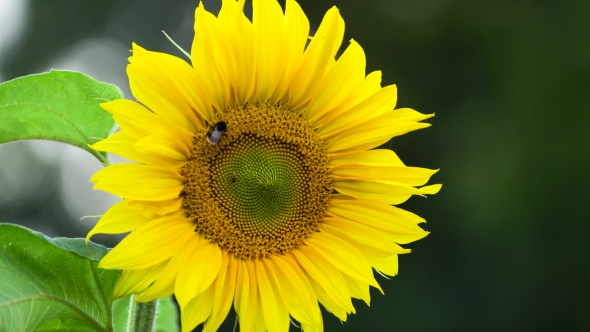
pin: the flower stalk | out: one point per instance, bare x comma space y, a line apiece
142, 316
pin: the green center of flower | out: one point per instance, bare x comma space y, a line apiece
259, 180
263, 188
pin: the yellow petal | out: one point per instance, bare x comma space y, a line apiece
372, 135
246, 300
209, 58
358, 290
164, 284
411, 176
242, 284
432, 189
299, 275
223, 293
276, 317
164, 146
400, 225
122, 144
118, 219
240, 64
268, 23
346, 76
119, 143
378, 157
149, 244
141, 182
379, 103
343, 256
367, 240
410, 115
313, 328
300, 303
370, 86
258, 323
387, 192
202, 262
138, 122
148, 209
320, 51
326, 275
165, 84
315, 309
385, 265
135, 281
328, 302
295, 37
374, 132
197, 310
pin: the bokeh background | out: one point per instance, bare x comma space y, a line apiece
508, 81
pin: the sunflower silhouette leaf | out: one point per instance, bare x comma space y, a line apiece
61, 106
52, 284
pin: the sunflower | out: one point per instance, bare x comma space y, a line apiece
256, 180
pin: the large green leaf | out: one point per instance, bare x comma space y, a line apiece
61, 106
166, 319
52, 284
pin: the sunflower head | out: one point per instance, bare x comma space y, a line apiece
255, 179
264, 187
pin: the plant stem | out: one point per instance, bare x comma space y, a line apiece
103, 160
142, 316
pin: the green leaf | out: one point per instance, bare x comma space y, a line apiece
121, 314
91, 251
166, 319
60, 106
52, 284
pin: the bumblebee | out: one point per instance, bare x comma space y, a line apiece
214, 136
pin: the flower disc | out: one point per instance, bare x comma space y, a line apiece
264, 188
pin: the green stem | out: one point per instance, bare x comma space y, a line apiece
104, 160
142, 316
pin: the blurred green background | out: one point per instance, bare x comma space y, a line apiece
509, 248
